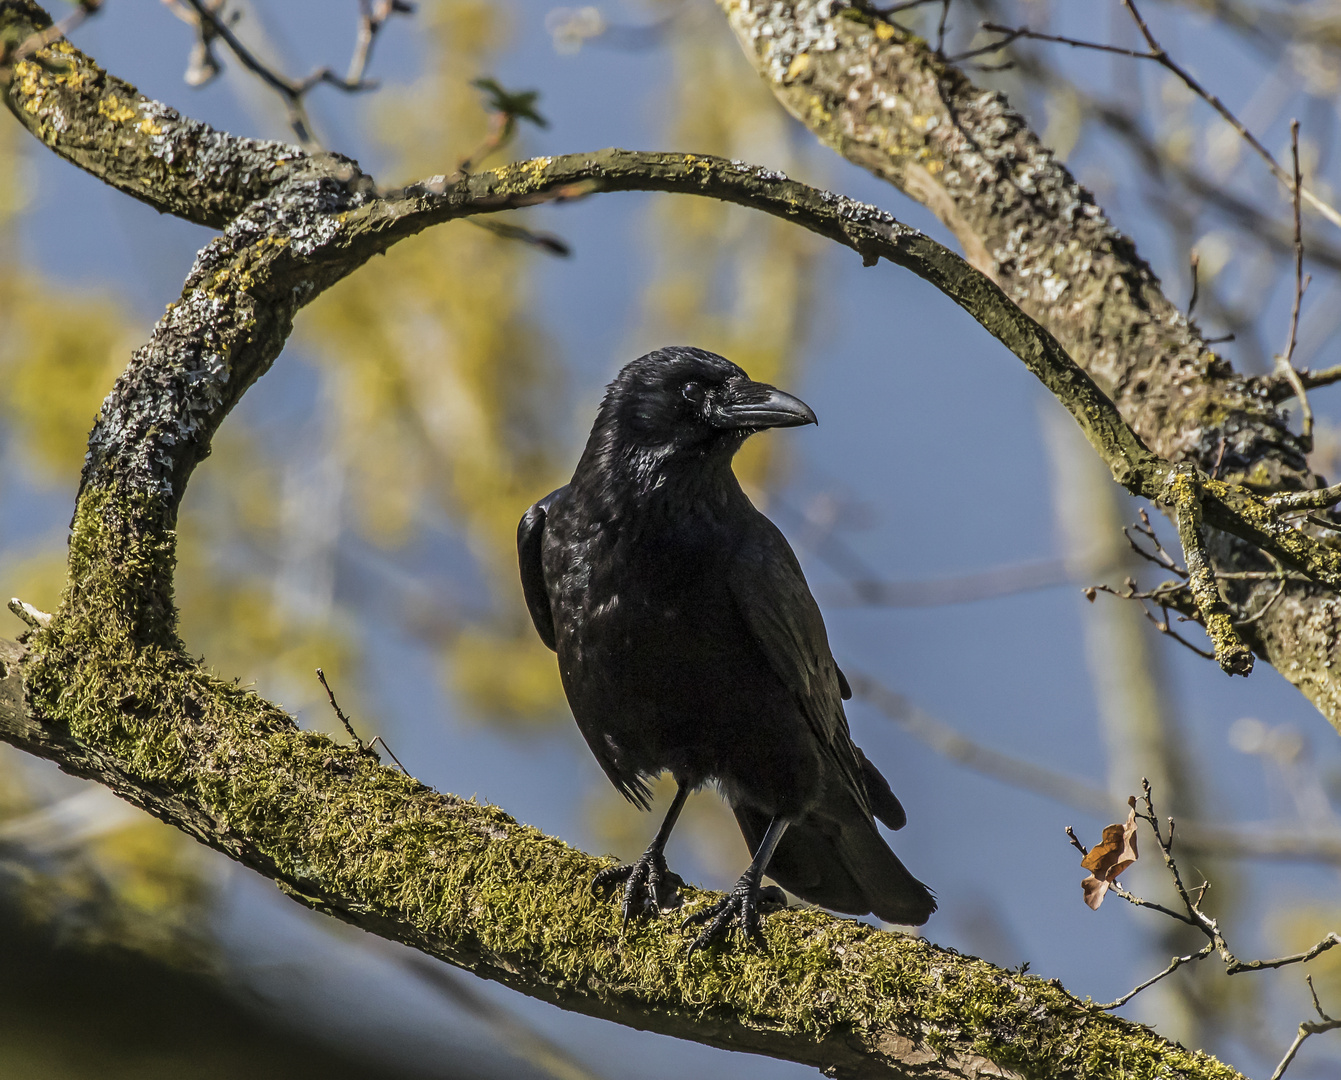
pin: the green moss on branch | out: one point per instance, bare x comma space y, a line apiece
114, 697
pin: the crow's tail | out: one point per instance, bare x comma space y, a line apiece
842, 865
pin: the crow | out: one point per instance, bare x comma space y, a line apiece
688, 642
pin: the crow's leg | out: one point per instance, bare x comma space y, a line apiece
742, 902
648, 885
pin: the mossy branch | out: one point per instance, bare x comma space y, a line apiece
1185, 497
108, 692
466, 883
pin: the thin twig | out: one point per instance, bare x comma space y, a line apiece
1194, 916
940, 27
1160, 557
1174, 965
1169, 593
365, 748
547, 242
1285, 361
373, 16
1265, 607
1158, 55
1307, 1028
1195, 261
1329, 942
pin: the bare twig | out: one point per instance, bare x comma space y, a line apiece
960, 589
1174, 965
1156, 53
1175, 594
1265, 607
1195, 262
1285, 361
546, 242
940, 27
1160, 556
1307, 1028
29, 614
964, 751
1329, 942
366, 748
1192, 915
1252, 841
373, 14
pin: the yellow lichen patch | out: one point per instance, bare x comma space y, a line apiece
816, 113
28, 77
799, 64
115, 110
148, 127
884, 31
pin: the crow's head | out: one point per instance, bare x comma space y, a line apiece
683, 403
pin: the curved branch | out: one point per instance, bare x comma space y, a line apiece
140, 146
108, 692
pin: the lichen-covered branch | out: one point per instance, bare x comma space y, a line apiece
1185, 497
106, 689
138, 145
882, 98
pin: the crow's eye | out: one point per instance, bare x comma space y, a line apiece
693, 391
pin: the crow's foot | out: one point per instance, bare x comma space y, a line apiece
649, 886
742, 903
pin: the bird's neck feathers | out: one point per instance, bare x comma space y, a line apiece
629, 478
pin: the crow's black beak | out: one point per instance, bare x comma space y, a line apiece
758, 405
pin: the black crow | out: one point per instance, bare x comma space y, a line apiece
689, 642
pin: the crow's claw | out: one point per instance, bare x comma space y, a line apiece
649, 886
741, 904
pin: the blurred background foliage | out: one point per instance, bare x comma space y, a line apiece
438, 395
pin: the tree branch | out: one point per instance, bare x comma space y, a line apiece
879, 96
107, 128
108, 691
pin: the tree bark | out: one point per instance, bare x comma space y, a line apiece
880, 96
106, 690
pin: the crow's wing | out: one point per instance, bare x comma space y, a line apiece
771, 594
530, 539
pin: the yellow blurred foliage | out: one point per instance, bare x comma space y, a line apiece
728, 279
441, 384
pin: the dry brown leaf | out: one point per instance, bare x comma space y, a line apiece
1109, 858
